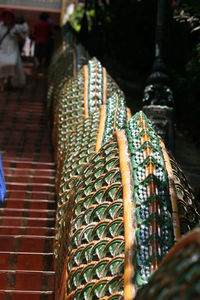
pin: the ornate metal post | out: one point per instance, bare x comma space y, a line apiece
158, 97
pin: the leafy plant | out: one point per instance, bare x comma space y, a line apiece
76, 17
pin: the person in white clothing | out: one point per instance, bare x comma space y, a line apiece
22, 29
11, 70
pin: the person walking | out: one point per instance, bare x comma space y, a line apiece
42, 33
22, 29
11, 70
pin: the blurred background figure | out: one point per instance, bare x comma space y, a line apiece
69, 10
52, 37
22, 28
42, 34
11, 70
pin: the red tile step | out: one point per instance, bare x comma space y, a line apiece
26, 243
50, 173
26, 295
30, 179
30, 186
23, 194
30, 222
37, 231
32, 204
23, 280
24, 164
32, 213
26, 261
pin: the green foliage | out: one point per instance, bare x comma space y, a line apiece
186, 81
192, 7
193, 68
76, 17
189, 12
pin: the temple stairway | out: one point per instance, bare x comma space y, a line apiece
28, 214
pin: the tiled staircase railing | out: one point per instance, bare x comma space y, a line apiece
122, 200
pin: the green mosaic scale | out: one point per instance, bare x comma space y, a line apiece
181, 271
76, 137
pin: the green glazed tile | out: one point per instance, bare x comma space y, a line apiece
114, 266
98, 211
111, 228
97, 290
98, 269
111, 247
85, 253
111, 209
97, 250
86, 275
86, 234
99, 230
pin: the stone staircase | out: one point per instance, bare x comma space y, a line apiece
27, 216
